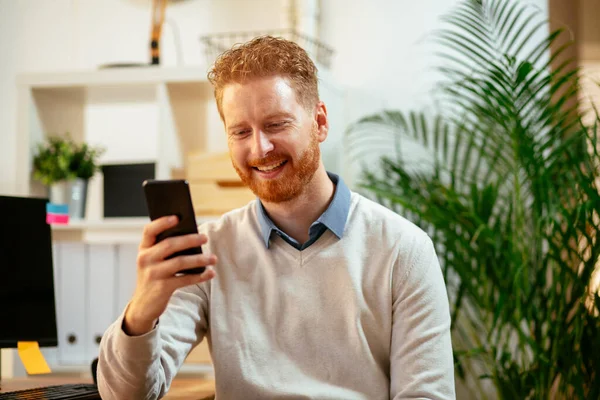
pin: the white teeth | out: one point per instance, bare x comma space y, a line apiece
270, 167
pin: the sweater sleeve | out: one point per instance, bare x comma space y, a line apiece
421, 361
142, 367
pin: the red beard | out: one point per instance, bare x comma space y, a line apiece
291, 182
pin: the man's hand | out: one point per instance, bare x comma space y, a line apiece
156, 280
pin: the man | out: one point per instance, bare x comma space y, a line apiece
316, 292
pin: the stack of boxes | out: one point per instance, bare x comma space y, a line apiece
214, 184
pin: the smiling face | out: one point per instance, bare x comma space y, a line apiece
273, 140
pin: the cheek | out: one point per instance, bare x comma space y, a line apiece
237, 153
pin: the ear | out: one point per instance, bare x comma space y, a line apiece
322, 121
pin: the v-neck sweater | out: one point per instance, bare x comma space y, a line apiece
365, 316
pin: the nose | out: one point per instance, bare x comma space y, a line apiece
261, 145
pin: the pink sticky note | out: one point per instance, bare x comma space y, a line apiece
57, 219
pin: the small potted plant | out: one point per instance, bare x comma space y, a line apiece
65, 167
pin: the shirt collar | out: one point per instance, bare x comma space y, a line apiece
334, 218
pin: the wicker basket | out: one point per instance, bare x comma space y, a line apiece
216, 44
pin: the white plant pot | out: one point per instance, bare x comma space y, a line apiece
72, 193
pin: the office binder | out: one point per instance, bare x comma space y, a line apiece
71, 304
101, 294
126, 275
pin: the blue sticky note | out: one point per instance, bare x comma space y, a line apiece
57, 208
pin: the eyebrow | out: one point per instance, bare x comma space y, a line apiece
282, 114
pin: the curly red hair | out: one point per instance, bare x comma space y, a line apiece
262, 57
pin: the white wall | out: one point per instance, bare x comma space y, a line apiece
8, 68
378, 50
384, 47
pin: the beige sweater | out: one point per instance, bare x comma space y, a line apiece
362, 317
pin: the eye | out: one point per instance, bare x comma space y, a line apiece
241, 132
278, 125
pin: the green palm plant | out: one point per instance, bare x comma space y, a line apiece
509, 194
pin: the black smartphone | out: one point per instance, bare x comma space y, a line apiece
172, 197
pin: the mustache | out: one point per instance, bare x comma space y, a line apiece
268, 160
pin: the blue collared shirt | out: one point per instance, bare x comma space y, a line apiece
334, 218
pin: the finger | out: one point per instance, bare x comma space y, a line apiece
178, 264
192, 279
165, 248
154, 228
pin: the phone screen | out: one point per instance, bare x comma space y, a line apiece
172, 197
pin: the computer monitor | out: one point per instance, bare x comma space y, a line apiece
27, 304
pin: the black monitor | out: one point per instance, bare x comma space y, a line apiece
27, 304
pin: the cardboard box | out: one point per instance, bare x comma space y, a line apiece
215, 185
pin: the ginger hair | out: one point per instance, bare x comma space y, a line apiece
266, 56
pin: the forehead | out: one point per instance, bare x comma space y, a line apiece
256, 98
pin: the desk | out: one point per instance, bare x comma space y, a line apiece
183, 388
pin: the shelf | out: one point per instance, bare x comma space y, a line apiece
139, 114
113, 77
108, 224
111, 224
108, 230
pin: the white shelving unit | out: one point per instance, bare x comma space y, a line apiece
149, 114
146, 114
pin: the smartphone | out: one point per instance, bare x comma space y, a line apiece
172, 197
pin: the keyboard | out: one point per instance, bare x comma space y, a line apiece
58, 392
